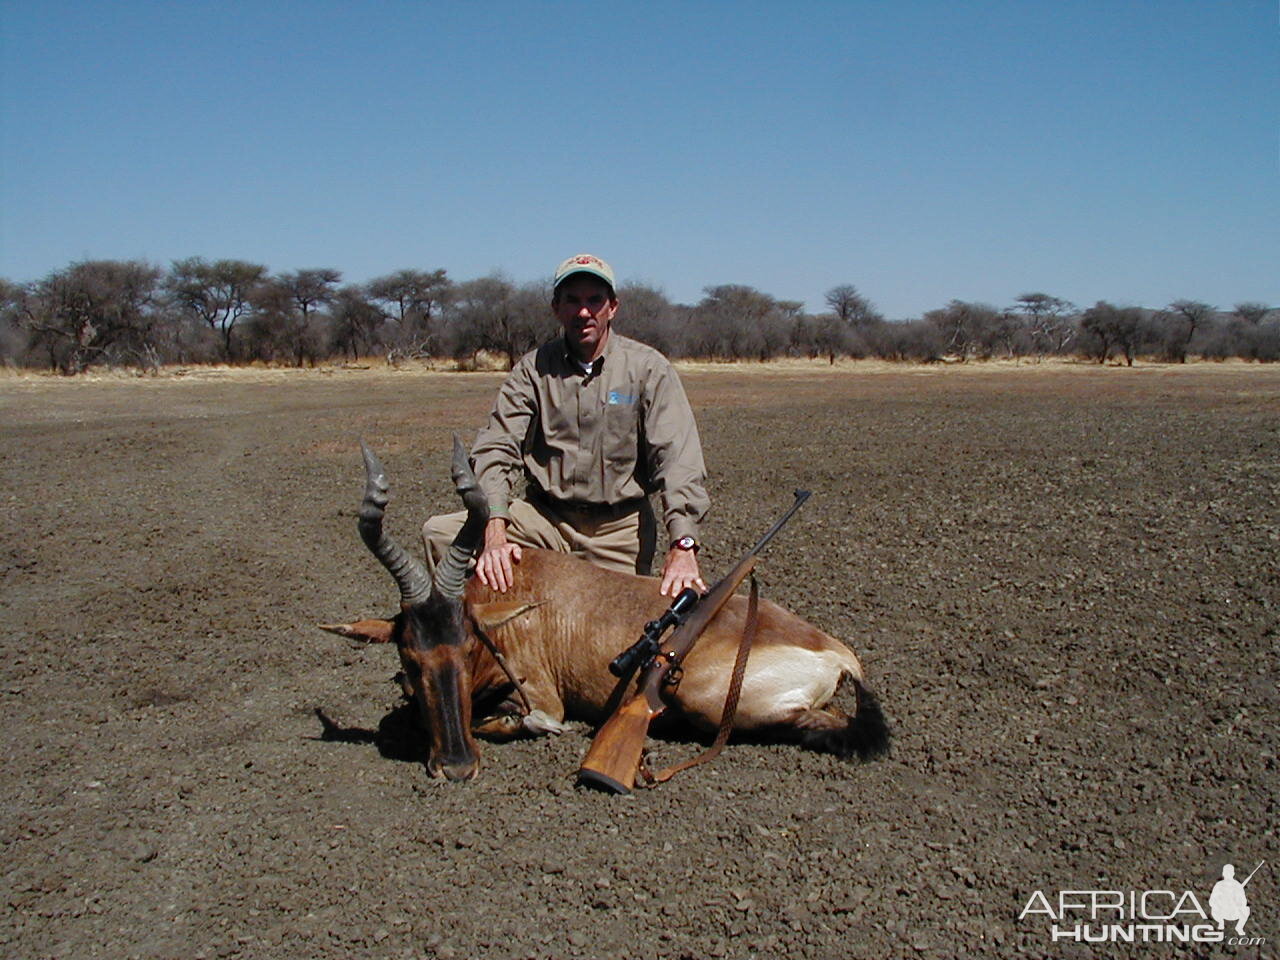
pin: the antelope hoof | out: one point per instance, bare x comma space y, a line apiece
502, 726
539, 722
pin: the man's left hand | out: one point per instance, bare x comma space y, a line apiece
679, 571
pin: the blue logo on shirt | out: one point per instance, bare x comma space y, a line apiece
617, 397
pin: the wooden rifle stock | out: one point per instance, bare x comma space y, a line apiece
617, 750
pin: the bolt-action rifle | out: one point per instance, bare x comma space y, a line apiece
616, 752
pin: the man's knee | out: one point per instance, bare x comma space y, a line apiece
438, 532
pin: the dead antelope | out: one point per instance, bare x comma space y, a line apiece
558, 628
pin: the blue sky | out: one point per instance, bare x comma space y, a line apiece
922, 151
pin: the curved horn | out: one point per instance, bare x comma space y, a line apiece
410, 575
451, 572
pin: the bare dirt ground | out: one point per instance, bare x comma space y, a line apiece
1062, 580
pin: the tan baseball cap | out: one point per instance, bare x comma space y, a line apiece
585, 263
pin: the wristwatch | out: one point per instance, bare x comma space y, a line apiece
686, 543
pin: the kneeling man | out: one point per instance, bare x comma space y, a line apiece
595, 422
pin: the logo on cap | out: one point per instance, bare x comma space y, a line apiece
584, 263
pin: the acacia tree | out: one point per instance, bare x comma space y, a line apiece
1250, 312
801, 339
1109, 327
1189, 315
967, 328
266, 328
308, 290
412, 298
490, 313
830, 335
285, 309
647, 315
1050, 321
736, 321
1003, 333
94, 311
912, 340
778, 335
1249, 334
13, 339
216, 294
851, 307
354, 321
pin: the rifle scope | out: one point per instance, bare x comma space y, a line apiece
648, 645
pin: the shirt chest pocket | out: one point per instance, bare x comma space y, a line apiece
621, 428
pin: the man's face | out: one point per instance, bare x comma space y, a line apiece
585, 308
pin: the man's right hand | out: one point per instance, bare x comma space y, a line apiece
495, 560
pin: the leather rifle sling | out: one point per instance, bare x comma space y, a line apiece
730, 700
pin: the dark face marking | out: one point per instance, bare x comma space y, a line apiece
433, 652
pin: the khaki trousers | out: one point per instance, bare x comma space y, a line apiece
625, 542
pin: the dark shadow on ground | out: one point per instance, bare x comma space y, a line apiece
398, 737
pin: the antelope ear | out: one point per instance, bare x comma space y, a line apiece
491, 616
368, 631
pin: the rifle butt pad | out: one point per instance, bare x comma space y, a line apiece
614, 756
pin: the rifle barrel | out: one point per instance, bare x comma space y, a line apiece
801, 497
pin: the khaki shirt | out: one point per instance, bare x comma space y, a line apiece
622, 431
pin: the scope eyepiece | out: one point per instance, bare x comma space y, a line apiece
628, 659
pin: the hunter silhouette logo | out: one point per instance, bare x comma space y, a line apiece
1228, 900
1148, 916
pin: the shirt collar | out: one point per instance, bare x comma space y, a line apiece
594, 368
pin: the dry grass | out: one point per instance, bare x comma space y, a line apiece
492, 364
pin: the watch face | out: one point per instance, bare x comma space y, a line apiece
686, 543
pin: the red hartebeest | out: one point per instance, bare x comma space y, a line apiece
557, 629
